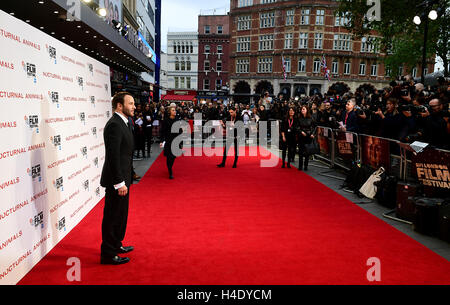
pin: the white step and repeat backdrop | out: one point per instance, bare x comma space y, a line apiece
54, 104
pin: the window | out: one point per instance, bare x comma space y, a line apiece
218, 66
219, 49
287, 64
206, 84
302, 65
342, 42
244, 23
177, 64
342, 20
265, 42
177, 82
183, 65
207, 49
219, 29
362, 68
347, 66
267, 20
368, 44
265, 65
242, 65
242, 3
218, 84
320, 16
414, 72
188, 65
268, 1
182, 48
182, 83
290, 17
318, 40
191, 47
305, 17
388, 71
374, 70
206, 65
288, 40
207, 29
243, 44
316, 65
188, 82
335, 67
303, 41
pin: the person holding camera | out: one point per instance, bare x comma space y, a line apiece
390, 119
435, 127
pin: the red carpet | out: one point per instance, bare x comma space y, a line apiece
248, 225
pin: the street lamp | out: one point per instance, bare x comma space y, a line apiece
427, 14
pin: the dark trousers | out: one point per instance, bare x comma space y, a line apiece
148, 138
227, 147
303, 157
170, 160
289, 146
114, 224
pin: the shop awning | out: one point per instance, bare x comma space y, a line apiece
175, 97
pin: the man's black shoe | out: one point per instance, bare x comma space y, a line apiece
220, 165
171, 177
125, 249
115, 260
234, 165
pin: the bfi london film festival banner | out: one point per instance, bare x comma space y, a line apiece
55, 103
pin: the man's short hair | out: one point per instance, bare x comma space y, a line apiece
119, 98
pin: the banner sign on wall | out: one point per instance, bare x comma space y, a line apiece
432, 169
55, 103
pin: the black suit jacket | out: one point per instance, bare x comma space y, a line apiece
119, 146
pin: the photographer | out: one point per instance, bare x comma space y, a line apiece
435, 129
390, 120
327, 117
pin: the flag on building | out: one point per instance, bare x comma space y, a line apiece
325, 70
283, 62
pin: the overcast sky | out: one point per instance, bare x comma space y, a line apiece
182, 15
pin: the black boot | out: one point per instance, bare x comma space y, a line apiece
300, 163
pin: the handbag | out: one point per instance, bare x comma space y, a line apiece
369, 189
312, 148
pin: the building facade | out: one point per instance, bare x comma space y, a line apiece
267, 35
213, 56
182, 60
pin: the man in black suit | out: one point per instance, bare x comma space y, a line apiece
117, 178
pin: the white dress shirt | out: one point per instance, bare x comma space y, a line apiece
125, 119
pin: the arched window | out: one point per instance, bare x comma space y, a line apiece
177, 64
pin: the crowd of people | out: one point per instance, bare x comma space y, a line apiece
403, 111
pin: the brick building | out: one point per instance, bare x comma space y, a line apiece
303, 32
213, 56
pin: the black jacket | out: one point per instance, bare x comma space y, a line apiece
119, 145
306, 125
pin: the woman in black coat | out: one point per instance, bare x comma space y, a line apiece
288, 139
167, 138
305, 135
